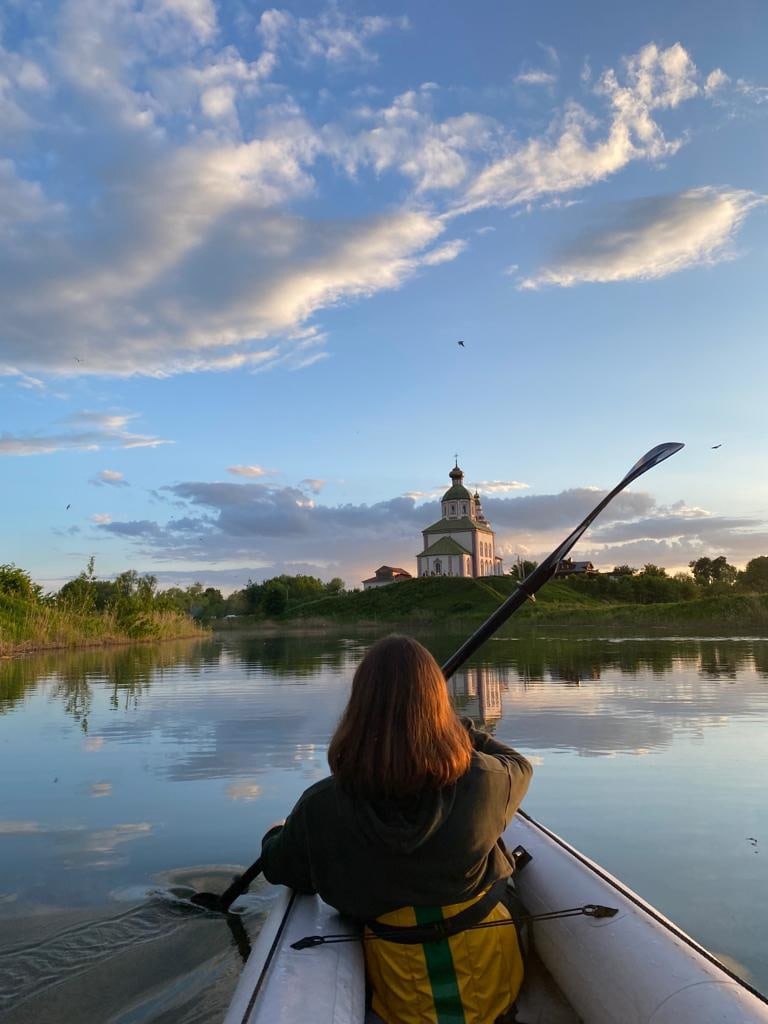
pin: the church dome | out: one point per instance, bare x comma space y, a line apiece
457, 491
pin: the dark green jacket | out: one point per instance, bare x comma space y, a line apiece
366, 857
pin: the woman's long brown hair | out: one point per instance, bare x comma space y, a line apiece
399, 732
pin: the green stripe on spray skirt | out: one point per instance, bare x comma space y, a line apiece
442, 976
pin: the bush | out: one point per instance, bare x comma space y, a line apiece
15, 582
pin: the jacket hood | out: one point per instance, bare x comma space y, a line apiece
402, 825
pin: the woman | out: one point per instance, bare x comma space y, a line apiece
406, 832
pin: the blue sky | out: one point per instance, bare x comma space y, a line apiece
238, 245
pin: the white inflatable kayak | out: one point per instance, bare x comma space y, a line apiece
635, 967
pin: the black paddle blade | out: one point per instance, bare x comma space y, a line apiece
548, 568
208, 901
653, 458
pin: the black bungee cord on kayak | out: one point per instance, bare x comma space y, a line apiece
438, 930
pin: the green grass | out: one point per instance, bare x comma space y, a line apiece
29, 626
435, 600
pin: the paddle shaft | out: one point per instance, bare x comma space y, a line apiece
239, 885
542, 573
524, 592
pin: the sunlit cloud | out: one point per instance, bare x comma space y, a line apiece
651, 238
101, 789
109, 477
98, 430
252, 472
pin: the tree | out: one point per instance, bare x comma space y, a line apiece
335, 586
755, 575
707, 571
702, 570
623, 570
723, 571
522, 569
649, 569
275, 599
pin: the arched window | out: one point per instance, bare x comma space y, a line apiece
438, 567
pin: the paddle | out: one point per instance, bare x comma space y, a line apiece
536, 579
525, 591
223, 901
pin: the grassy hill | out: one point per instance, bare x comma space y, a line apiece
31, 625
433, 599
437, 599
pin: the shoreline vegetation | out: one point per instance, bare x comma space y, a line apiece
87, 612
583, 603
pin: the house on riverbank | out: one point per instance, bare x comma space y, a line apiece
385, 575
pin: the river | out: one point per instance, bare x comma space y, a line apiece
134, 775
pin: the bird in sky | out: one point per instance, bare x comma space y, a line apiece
460, 342
69, 506
717, 445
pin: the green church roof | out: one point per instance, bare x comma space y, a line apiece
445, 546
460, 525
457, 492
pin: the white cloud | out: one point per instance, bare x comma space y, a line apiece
101, 518
313, 484
757, 93
715, 81
109, 477
498, 486
183, 251
101, 430
569, 157
250, 471
651, 238
332, 36
535, 77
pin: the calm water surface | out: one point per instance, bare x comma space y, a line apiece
134, 775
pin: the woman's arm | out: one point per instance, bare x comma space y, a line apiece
285, 853
519, 768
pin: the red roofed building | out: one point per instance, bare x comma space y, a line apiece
385, 575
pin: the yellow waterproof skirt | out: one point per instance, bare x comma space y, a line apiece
469, 978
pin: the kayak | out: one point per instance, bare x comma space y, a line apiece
634, 967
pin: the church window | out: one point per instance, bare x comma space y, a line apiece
438, 567
453, 510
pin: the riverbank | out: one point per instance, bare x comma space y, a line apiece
470, 601
29, 626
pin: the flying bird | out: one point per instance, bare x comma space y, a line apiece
460, 342
69, 506
717, 445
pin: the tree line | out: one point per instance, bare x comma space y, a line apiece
131, 594
652, 583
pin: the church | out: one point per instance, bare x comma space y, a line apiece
461, 542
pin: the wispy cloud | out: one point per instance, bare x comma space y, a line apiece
103, 431
253, 472
651, 238
536, 76
109, 478
576, 151
199, 250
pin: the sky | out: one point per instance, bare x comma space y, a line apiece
240, 243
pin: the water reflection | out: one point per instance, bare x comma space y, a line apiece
131, 764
